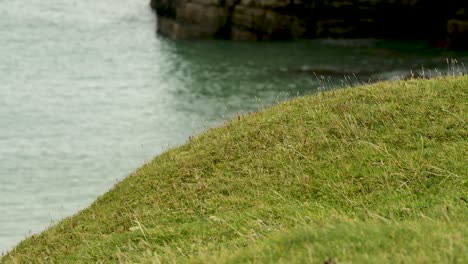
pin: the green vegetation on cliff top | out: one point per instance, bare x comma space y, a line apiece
368, 174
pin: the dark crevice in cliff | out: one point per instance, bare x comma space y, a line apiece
226, 31
308, 12
165, 8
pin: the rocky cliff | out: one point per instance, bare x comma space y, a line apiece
443, 21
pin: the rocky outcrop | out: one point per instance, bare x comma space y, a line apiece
181, 19
231, 19
287, 19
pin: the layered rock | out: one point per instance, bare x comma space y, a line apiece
288, 19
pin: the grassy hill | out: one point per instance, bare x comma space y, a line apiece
367, 174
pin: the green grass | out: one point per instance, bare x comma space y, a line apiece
368, 174
364, 242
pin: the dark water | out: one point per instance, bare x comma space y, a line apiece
88, 93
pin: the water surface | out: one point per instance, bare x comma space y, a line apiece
88, 93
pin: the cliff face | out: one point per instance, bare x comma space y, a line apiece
446, 22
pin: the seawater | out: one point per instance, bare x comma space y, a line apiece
89, 92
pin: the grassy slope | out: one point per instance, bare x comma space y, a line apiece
357, 174
365, 242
